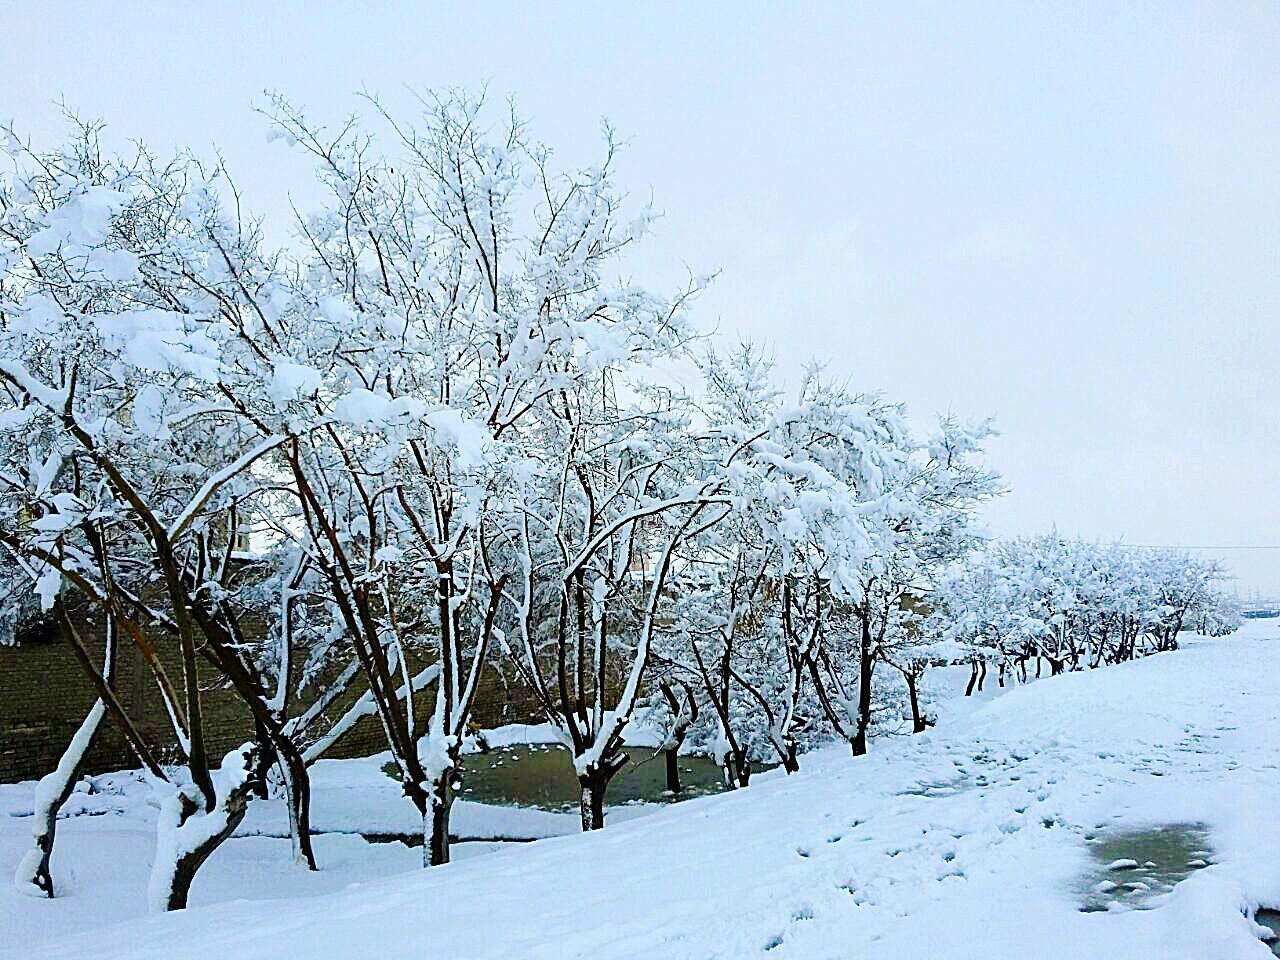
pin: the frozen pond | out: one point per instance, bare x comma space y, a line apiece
541, 775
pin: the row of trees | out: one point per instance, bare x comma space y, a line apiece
1001, 605
1073, 604
435, 435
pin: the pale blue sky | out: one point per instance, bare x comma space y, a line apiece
1066, 216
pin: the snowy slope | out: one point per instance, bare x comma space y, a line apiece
968, 842
106, 839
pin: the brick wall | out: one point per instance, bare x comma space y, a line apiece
44, 695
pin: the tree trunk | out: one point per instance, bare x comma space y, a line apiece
51, 793
594, 782
789, 762
918, 722
297, 786
684, 714
179, 855
591, 802
737, 770
437, 839
973, 679
55, 787
865, 672
185, 867
982, 675
673, 771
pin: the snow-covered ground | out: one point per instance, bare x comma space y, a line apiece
969, 841
105, 841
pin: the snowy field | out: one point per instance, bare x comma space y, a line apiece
970, 841
105, 840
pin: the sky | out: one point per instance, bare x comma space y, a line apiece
1063, 216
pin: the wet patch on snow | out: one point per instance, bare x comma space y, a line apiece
1270, 920
1132, 868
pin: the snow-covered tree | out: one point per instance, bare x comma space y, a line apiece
603, 520
124, 480
476, 478
921, 520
